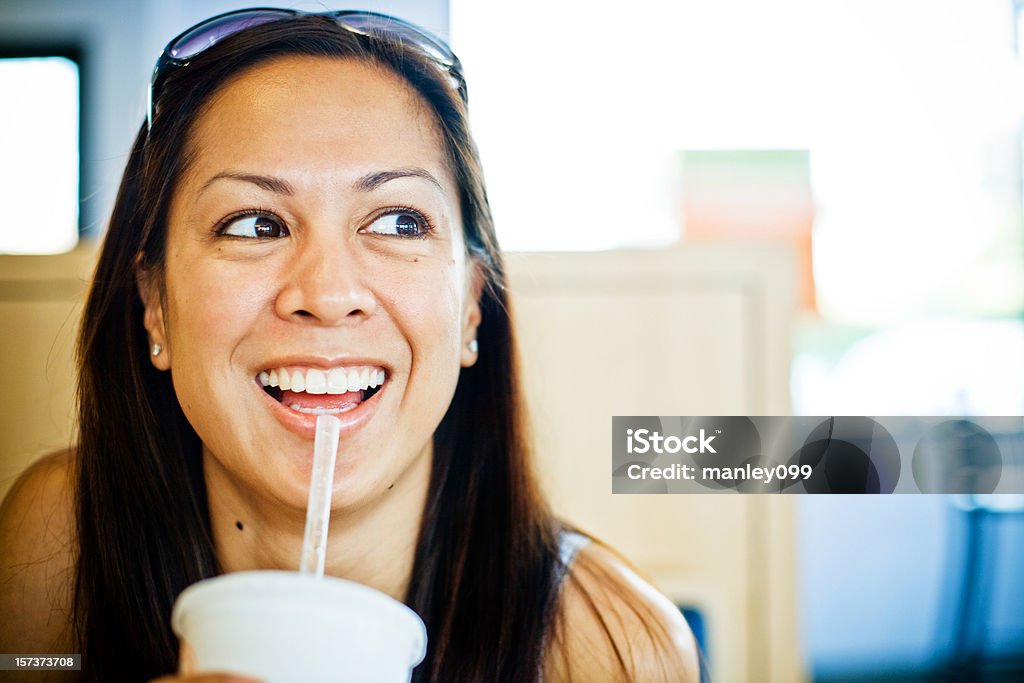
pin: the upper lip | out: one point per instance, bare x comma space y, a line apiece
322, 362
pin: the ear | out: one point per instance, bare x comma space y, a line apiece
471, 315
148, 285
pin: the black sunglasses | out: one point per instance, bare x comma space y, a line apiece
207, 33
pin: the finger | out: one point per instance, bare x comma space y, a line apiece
186, 659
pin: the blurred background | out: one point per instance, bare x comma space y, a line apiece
807, 207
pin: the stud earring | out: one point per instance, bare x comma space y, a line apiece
473, 346
157, 349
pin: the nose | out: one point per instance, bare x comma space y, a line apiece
324, 285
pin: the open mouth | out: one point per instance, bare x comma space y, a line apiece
315, 391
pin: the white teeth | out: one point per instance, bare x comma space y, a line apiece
316, 381
336, 381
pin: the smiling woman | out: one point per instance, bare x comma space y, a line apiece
302, 229
342, 262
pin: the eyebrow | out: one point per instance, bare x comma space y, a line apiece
372, 181
367, 183
268, 183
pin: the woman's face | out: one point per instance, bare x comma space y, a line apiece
315, 263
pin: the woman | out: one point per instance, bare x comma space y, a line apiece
303, 228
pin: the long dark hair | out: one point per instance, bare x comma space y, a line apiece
486, 558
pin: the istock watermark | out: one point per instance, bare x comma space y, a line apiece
646, 440
837, 454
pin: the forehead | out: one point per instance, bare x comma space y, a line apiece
317, 115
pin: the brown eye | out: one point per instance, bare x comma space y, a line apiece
260, 226
400, 224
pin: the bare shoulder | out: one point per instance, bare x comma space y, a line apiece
37, 567
613, 625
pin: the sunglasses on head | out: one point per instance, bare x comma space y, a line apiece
206, 34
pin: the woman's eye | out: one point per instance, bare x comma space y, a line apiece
400, 224
259, 226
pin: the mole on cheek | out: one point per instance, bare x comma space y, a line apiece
391, 487
238, 525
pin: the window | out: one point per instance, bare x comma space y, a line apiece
909, 112
909, 115
39, 167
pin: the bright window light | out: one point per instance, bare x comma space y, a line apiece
910, 112
39, 160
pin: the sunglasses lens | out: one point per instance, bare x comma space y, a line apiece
390, 27
211, 32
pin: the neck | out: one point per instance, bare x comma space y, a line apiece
373, 544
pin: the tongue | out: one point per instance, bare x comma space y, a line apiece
329, 401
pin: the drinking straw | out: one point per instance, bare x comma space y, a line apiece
318, 509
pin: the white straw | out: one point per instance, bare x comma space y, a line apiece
318, 510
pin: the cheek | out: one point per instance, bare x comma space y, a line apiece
427, 302
211, 303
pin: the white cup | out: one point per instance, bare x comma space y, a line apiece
286, 627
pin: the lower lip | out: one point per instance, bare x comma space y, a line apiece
304, 424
